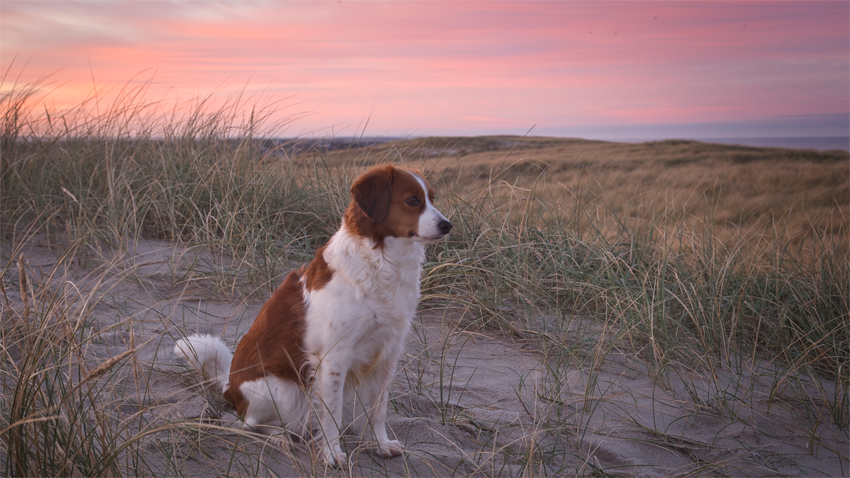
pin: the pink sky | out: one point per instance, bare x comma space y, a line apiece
457, 68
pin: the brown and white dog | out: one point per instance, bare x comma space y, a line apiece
334, 330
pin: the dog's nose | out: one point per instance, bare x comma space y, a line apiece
445, 226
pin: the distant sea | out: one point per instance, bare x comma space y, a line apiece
819, 143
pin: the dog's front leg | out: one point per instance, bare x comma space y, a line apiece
386, 448
331, 381
375, 399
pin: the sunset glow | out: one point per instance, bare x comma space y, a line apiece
456, 68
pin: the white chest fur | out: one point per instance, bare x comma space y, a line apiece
371, 297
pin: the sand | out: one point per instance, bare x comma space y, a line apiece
466, 401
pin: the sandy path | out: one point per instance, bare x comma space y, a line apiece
465, 402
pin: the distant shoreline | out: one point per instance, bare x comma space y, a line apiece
825, 143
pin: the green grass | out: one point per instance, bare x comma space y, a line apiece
523, 259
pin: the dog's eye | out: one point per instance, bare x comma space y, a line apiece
413, 201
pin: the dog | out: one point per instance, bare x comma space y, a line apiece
334, 330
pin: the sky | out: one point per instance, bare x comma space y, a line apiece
598, 69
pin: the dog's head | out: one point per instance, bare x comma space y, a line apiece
392, 202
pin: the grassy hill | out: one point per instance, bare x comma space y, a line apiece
732, 187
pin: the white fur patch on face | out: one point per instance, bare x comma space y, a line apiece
429, 221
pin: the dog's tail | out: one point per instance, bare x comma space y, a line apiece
209, 355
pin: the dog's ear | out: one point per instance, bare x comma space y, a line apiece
372, 192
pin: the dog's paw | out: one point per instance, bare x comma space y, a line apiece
334, 457
390, 448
